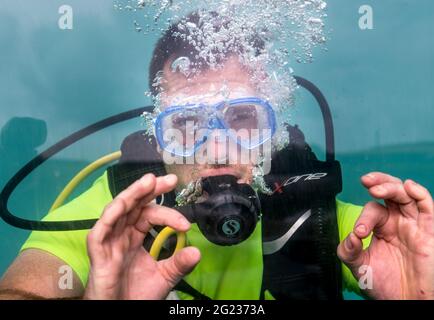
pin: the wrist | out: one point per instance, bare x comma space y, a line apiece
98, 290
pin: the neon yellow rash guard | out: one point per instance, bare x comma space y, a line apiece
231, 273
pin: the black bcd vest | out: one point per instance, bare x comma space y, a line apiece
299, 221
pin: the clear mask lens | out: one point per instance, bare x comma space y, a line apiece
248, 123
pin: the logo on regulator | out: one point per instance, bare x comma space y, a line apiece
231, 227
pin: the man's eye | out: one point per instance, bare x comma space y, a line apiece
242, 113
237, 116
182, 121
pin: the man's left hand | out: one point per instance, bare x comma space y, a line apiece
400, 257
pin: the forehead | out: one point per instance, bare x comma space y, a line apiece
232, 75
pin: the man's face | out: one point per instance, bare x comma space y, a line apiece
207, 88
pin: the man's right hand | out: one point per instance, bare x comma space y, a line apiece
120, 268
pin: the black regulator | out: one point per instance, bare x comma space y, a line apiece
230, 213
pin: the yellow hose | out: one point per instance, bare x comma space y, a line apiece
83, 174
66, 192
162, 238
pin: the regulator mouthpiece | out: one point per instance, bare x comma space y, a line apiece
229, 215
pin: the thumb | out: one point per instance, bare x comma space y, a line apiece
179, 265
351, 253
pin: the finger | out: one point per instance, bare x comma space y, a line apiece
136, 192
179, 265
119, 212
163, 185
374, 178
425, 204
422, 196
102, 228
119, 227
120, 207
396, 192
351, 253
125, 201
373, 218
153, 215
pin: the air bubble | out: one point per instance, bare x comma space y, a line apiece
182, 64
290, 29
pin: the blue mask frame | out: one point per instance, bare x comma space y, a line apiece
214, 123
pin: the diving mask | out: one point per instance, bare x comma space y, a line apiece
182, 130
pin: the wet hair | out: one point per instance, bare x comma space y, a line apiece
171, 46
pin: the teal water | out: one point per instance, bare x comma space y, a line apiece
54, 82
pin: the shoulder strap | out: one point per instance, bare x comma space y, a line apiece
306, 267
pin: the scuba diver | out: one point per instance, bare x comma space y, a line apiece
297, 242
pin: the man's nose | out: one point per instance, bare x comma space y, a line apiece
220, 148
